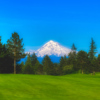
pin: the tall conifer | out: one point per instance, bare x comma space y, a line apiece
92, 57
92, 50
15, 46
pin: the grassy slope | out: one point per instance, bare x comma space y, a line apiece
42, 87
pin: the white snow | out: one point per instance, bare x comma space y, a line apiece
51, 48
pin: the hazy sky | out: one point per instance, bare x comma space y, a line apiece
64, 21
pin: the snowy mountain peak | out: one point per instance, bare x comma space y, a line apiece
52, 48
51, 43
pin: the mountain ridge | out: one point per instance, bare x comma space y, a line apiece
52, 48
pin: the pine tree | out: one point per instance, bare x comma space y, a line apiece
92, 53
65, 60
5, 59
98, 64
72, 55
61, 65
92, 50
73, 48
14, 44
93, 66
47, 65
72, 58
56, 68
40, 69
82, 60
2, 53
33, 59
36, 67
22, 67
28, 69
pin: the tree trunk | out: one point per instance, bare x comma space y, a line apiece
14, 65
14, 61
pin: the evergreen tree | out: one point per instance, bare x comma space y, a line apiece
67, 69
72, 58
33, 59
63, 62
56, 68
82, 60
47, 65
92, 53
92, 50
98, 64
15, 46
40, 69
22, 67
61, 65
73, 48
72, 55
93, 66
2, 49
5, 59
28, 69
36, 67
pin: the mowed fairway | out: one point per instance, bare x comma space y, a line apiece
44, 87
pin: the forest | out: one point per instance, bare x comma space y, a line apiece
76, 61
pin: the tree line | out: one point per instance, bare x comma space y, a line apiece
75, 62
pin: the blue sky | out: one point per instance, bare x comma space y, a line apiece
64, 21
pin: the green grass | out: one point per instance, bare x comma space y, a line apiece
44, 87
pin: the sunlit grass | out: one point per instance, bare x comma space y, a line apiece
44, 87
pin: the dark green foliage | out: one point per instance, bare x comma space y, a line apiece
33, 59
73, 48
40, 69
72, 58
47, 65
65, 60
93, 65
56, 69
32, 65
67, 69
72, 55
92, 57
92, 50
15, 46
6, 62
82, 60
98, 64
76, 61
28, 68
62, 62
61, 65
19, 68
22, 66
36, 67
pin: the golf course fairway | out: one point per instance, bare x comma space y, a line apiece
46, 87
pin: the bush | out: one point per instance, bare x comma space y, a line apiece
68, 69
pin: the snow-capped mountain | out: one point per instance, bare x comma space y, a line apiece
52, 48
